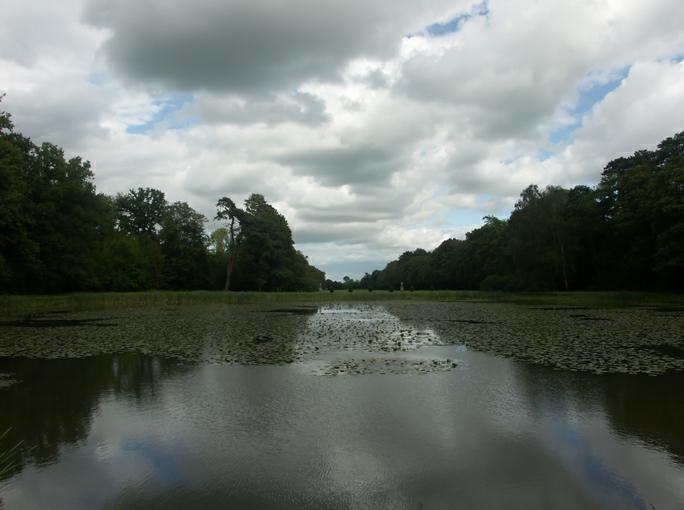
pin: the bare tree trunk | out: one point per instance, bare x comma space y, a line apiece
233, 255
229, 271
563, 265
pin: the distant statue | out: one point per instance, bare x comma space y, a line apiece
320, 287
401, 286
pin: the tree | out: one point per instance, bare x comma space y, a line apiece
261, 253
226, 210
184, 246
139, 215
268, 255
642, 197
272, 231
219, 240
486, 253
140, 212
18, 250
66, 216
540, 238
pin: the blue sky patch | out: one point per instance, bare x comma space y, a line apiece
455, 24
168, 106
596, 93
97, 78
464, 218
543, 154
588, 98
562, 135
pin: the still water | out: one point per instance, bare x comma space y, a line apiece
130, 430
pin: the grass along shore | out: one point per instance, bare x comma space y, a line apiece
36, 304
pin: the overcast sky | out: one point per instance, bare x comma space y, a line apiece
375, 126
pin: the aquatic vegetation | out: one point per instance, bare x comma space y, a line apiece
6, 380
597, 340
387, 366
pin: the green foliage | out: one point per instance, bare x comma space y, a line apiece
140, 212
643, 199
184, 247
218, 241
51, 218
260, 250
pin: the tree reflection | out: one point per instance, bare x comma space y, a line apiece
54, 400
649, 408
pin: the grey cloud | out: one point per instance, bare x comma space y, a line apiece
348, 233
31, 31
504, 182
506, 101
356, 165
377, 79
247, 46
56, 117
352, 268
350, 215
299, 107
366, 208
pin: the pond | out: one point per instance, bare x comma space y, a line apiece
395, 405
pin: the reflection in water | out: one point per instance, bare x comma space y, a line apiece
134, 431
648, 408
53, 402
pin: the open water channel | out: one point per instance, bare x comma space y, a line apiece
397, 405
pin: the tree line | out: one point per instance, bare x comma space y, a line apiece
626, 233
57, 234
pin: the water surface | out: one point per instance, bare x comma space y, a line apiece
136, 430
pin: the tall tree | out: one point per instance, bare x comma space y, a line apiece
139, 215
268, 241
643, 200
18, 249
234, 217
184, 246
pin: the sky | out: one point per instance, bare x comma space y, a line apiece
375, 126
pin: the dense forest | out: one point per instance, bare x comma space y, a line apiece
57, 234
625, 233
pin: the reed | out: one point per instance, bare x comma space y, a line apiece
8, 456
36, 304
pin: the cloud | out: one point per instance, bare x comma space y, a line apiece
641, 112
76, 119
298, 107
38, 32
247, 46
511, 69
